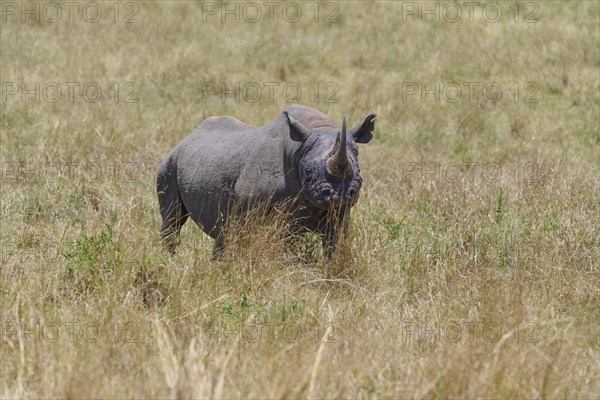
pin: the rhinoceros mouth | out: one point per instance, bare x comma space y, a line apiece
327, 194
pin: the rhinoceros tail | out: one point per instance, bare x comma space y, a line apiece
172, 210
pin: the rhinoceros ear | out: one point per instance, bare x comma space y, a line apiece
298, 132
362, 132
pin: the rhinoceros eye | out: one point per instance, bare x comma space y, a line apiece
307, 171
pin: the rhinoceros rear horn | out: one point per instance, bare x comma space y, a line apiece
339, 160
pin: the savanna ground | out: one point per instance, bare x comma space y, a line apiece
472, 265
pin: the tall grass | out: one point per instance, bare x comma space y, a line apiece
457, 281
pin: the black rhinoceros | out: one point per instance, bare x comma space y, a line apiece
300, 159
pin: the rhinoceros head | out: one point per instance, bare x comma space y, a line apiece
328, 161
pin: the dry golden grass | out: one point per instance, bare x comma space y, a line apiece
451, 287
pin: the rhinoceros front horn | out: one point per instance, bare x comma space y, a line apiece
339, 160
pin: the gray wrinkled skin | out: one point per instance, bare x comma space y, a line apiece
295, 158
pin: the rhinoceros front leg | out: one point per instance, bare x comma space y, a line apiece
333, 229
219, 233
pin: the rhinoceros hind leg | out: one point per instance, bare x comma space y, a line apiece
219, 248
172, 210
169, 232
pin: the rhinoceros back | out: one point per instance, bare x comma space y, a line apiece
211, 162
